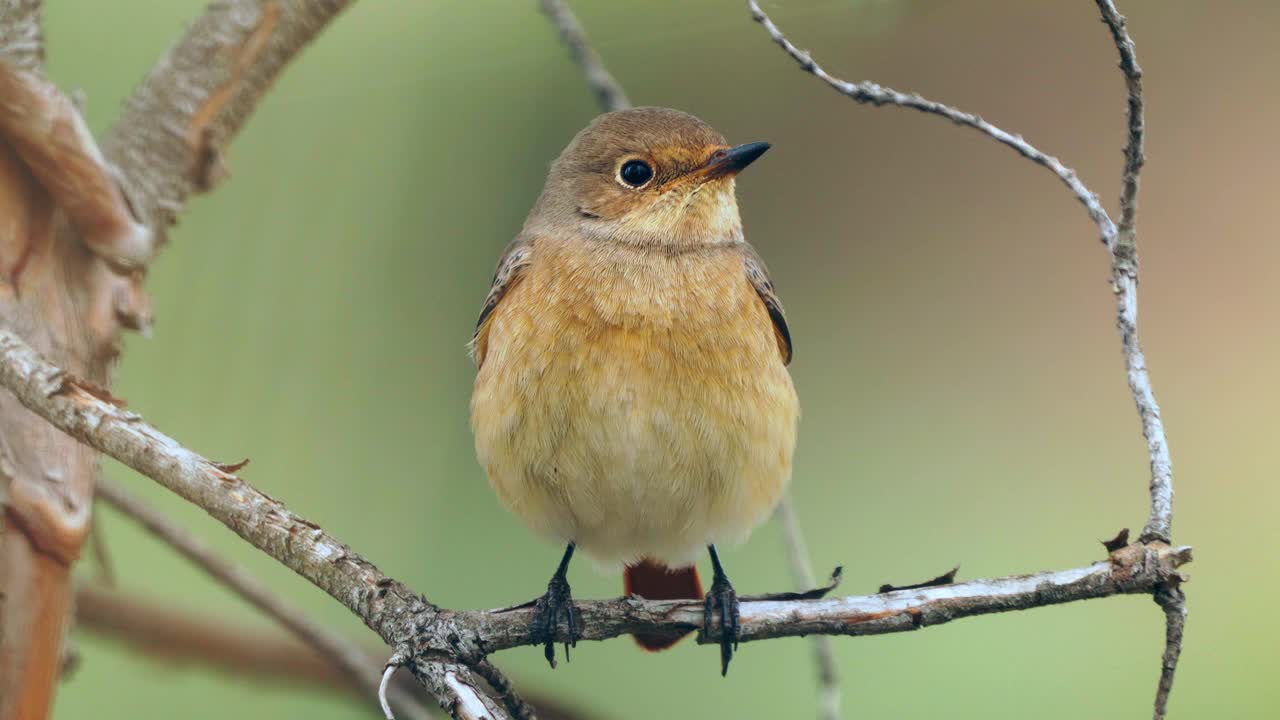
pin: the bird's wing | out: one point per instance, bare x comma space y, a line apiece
511, 267
758, 274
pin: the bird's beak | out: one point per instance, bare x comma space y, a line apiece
731, 161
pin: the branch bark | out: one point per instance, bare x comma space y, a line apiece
390, 609
1121, 244
79, 233
440, 645
155, 629
171, 138
169, 144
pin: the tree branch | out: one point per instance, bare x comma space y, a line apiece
170, 139
21, 33
824, 654
440, 645
1124, 269
1171, 599
1121, 243
390, 609
338, 650
869, 93
51, 137
607, 89
157, 630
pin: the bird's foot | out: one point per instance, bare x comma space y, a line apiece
547, 611
724, 598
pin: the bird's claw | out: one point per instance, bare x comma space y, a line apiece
547, 611
723, 597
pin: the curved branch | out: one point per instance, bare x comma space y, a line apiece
1121, 244
441, 645
169, 140
1124, 270
89, 414
607, 89
869, 93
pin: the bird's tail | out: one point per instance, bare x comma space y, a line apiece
654, 581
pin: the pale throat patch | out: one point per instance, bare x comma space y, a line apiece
704, 215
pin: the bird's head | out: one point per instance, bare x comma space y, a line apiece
647, 176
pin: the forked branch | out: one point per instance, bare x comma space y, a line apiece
1121, 244
441, 646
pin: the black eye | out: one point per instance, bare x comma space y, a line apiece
635, 173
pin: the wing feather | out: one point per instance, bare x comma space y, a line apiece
758, 274
511, 266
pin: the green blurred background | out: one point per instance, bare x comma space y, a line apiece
963, 392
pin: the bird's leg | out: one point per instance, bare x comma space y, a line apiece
722, 596
547, 611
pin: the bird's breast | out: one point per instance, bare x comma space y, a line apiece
630, 399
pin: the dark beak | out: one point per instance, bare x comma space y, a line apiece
731, 161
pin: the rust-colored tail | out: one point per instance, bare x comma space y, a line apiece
655, 581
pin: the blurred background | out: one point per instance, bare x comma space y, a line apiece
963, 391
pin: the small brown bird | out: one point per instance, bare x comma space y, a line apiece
632, 398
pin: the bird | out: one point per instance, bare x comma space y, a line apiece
632, 398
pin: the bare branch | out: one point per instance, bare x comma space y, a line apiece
390, 609
601, 82
519, 708
1124, 268
46, 129
387, 673
870, 93
343, 653
452, 640
1171, 599
1121, 243
170, 140
155, 629
1136, 569
1133, 152
802, 577
21, 33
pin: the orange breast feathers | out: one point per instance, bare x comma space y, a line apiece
633, 401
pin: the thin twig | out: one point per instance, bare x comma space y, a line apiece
601, 82
387, 673
1124, 253
802, 577
1124, 270
341, 651
1121, 243
437, 636
1174, 603
870, 93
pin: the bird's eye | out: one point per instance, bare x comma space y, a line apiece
635, 173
